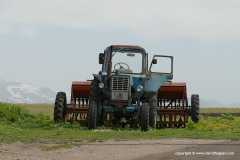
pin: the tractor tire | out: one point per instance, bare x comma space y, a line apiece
96, 98
152, 111
92, 115
60, 107
145, 116
195, 108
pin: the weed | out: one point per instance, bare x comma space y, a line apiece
227, 116
191, 125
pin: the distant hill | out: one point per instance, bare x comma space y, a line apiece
211, 103
234, 105
17, 92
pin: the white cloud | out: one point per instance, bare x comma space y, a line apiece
27, 32
207, 21
6, 28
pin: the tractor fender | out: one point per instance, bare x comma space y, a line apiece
97, 76
155, 81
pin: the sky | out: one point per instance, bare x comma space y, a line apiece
50, 43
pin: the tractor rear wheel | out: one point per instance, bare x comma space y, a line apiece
152, 111
92, 115
60, 107
195, 108
145, 116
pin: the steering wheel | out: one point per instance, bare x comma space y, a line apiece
120, 66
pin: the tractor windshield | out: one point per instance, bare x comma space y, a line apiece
127, 62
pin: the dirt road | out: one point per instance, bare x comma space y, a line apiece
167, 149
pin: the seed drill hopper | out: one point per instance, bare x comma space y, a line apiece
127, 92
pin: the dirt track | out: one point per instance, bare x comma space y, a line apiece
140, 150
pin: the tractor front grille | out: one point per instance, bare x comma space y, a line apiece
120, 83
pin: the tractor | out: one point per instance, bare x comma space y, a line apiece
127, 92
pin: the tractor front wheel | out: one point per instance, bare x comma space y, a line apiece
97, 96
152, 111
145, 116
92, 115
195, 108
60, 107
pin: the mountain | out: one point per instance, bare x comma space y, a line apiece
234, 105
17, 92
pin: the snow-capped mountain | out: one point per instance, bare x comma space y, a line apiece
17, 92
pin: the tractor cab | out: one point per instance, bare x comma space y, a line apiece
125, 69
118, 59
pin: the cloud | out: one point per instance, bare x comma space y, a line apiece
206, 21
207, 24
27, 32
6, 29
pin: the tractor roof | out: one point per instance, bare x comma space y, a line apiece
130, 48
127, 46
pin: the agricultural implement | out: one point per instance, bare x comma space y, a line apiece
127, 92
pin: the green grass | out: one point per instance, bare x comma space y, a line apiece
19, 124
46, 109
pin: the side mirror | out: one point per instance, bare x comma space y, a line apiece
101, 58
154, 61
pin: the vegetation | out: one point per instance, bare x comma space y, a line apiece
19, 124
46, 109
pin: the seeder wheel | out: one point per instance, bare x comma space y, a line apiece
60, 107
195, 108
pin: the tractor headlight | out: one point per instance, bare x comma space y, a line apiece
101, 85
139, 88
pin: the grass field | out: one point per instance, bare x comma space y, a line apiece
33, 123
46, 109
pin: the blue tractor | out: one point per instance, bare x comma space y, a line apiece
125, 90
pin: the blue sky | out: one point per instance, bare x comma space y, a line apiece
51, 43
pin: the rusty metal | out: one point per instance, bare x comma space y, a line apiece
127, 46
172, 105
78, 108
